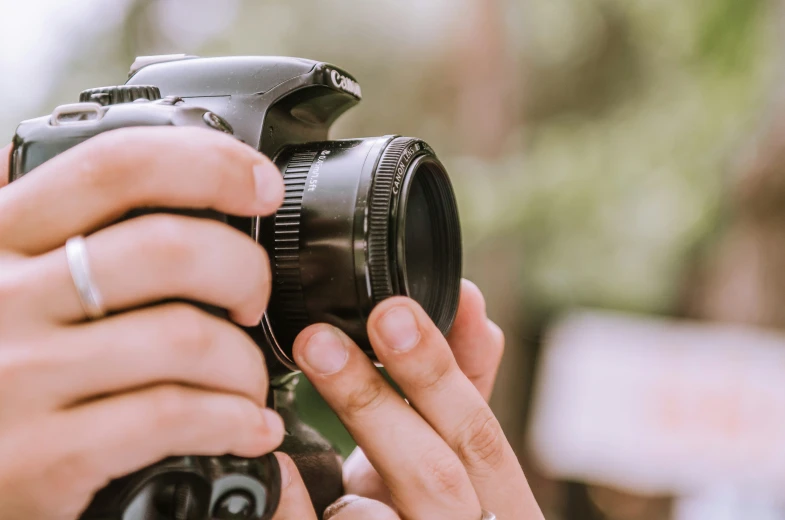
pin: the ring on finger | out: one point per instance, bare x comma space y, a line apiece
487, 515
86, 288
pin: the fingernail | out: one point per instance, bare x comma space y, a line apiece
269, 184
272, 421
399, 330
325, 352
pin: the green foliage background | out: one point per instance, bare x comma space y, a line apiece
625, 119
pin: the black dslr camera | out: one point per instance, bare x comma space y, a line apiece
363, 220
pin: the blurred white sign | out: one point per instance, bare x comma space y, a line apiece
660, 406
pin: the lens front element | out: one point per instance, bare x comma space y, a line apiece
427, 245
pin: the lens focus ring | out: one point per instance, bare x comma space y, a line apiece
386, 184
288, 289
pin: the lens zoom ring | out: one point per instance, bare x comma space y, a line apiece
288, 289
379, 226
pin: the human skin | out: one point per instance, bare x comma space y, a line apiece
444, 455
78, 399
82, 402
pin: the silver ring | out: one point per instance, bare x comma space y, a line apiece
89, 296
487, 515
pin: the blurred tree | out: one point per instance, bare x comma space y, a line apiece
487, 104
739, 277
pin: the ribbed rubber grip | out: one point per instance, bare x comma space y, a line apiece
288, 289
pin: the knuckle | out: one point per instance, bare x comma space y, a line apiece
444, 475
188, 330
75, 470
365, 398
10, 287
14, 283
13, 368
104, 159
481, 444
166, 238
226, 149
432, 375
170, 406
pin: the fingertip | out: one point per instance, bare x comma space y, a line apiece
321, 351
5, 159
244, 318
269, 434
269, 185
471, 300
497, 333
273, 422
385, 305
389, 304
287, 468
306, 334
471, 313
309, 331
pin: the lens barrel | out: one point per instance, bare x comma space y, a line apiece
362, 220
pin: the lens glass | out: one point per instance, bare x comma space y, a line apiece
419, 235
430, 253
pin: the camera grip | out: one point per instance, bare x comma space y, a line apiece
193, 488
318, 462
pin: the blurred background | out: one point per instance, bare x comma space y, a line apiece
619, 169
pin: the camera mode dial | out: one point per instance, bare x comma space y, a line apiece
120, 94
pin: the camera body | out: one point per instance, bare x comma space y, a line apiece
271, 102
362, 220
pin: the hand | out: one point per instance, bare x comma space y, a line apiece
443, 457
84, 402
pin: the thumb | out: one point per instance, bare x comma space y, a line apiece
295, 502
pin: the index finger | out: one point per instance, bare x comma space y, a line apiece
418, 358
98, 181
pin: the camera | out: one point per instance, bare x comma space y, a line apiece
363, 219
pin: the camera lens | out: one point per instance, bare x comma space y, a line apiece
429, 251
362, 220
